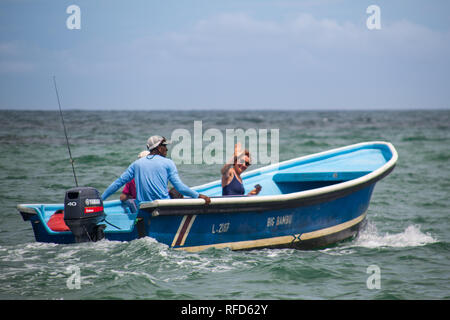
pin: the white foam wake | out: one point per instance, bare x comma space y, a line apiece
412, 236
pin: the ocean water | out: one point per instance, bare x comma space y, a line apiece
406, 237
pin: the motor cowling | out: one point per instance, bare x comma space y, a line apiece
83, 211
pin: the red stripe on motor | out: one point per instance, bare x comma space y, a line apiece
93, 209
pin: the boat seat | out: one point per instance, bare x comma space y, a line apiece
318, 176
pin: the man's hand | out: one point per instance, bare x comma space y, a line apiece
123, 197
206, 198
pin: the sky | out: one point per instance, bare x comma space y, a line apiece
225, 55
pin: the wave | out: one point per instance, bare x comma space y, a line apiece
412, 236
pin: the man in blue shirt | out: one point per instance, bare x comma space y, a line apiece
152, 173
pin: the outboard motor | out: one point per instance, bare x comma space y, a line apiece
83, 211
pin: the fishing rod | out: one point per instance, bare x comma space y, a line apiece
70, 153
65, 131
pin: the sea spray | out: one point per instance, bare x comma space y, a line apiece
412, 236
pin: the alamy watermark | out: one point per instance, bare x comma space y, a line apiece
214, 146
374, 280
373, 22
74, 20
74, 280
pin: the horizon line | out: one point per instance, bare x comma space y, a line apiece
235, 110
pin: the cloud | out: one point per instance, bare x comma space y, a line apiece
240, 41
239, 35
13, 67
8, 48
13, 60
235, 59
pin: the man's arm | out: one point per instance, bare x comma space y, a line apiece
182, 188
127, 176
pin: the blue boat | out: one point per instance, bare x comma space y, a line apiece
309, 202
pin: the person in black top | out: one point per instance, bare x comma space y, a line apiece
231, 173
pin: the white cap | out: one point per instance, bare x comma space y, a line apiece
143, 154
155, 141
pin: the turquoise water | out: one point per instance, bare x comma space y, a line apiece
406, 236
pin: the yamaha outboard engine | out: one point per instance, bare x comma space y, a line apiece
83, 211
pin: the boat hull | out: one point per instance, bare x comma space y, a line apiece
311, 202
305, 227
302, 227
